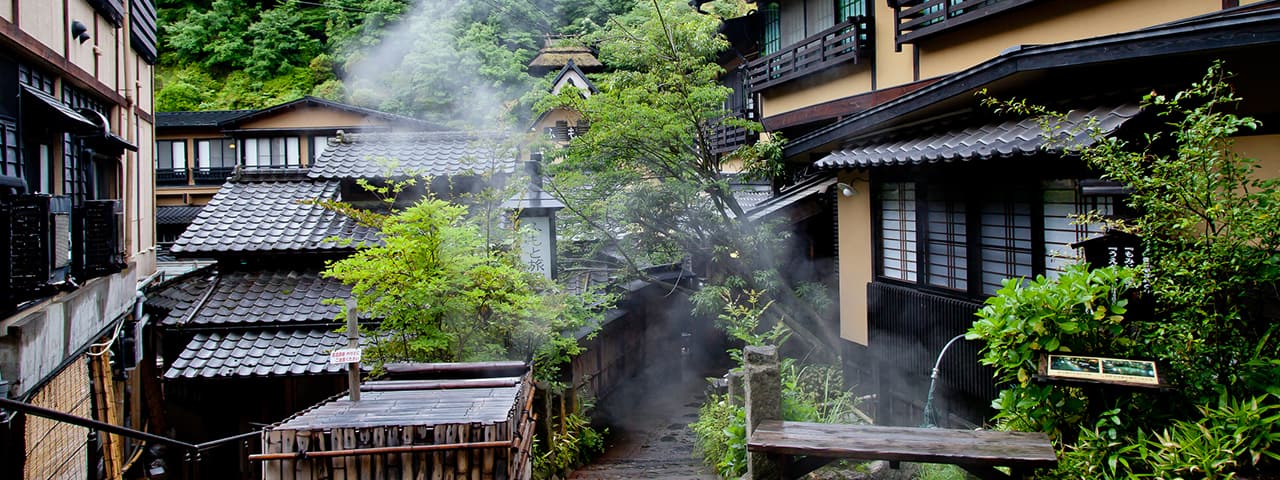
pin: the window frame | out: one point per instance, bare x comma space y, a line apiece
1027, 193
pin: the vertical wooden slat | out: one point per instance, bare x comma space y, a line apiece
270, 444
350, 463
438, 457
408, 463
364, 439
379, 461
489, 435
287, 446
302, 468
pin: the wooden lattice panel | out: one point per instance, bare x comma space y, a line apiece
57, 450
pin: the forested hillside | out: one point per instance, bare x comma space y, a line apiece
443, 60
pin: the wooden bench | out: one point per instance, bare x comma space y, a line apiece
801, 447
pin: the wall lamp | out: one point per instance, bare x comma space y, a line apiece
79, 31
846, 190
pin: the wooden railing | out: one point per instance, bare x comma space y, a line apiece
846, 42
920, 18
727, 138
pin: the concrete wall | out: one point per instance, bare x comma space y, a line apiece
35, 342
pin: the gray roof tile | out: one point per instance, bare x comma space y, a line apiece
196, 119
240, 354
1004, 139
264, 213
429, 153
176, 215
257, 297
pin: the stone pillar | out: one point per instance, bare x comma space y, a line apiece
763, 402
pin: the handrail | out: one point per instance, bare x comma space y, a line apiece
846, 41
914, 19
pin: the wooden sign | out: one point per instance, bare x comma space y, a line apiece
344, 355
1119, 371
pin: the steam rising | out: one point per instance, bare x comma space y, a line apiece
418, 68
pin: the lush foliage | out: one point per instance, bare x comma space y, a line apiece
645, 184
574, 446
810, 393
1081, 310
1208, 226
443, 295
434, 59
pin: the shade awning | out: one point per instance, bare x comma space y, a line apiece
45, 105
791, 196
994, 140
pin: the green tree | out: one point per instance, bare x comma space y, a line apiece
645, 182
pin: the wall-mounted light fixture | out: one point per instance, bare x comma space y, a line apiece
846, 190
79, 31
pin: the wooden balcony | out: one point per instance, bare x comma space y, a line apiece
727, 138
846, 42
917, 19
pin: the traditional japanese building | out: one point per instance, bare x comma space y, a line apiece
76, 211
197, 151
245, 342
935, 198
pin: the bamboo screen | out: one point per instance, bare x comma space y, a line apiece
57, 450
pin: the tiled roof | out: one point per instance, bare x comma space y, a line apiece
196, 119
263, 213
181, 292
258, 353
749, 195
1004, 139
176, 215
433, 154
262, 297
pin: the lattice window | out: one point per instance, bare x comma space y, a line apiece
1005, 238
898, 231
1063, 205
946, 243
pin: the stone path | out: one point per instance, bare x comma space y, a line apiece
650, 434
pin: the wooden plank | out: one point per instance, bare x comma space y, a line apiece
407, 460
350, 464
287, 446
490, 434
868, 442
271, 444
364, 439
302, 468
438, 458
379, 461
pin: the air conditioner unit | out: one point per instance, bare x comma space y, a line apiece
39, 243
98, 247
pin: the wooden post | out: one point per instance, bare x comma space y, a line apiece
763, 402
353, 341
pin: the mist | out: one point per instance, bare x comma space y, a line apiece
457, 63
